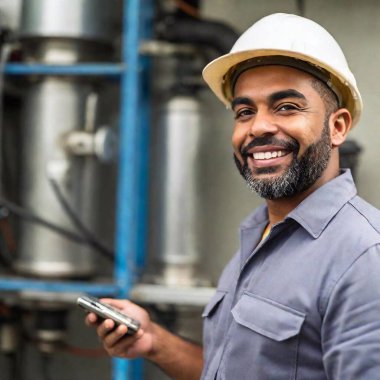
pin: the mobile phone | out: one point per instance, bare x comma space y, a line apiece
105, 311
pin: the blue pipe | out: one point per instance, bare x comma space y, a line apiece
143, 142
18, 284
126, 227
88, 69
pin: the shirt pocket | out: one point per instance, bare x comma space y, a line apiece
213, 304
267, 317
213, 324
265, 337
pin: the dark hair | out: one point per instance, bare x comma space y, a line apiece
328, 96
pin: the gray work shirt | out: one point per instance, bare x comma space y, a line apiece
305, 302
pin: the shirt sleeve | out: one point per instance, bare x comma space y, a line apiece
351, 324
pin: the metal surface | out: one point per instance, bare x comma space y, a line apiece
163, 48
57, 51
179, 295
78, 19
57, 31
102, 144
53, 108
10, 13
9, 337
174, 185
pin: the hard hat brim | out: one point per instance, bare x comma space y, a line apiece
215, 76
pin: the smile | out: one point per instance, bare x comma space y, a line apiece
268, 155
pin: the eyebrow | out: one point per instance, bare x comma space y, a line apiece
275, 97
290, 93
241, 101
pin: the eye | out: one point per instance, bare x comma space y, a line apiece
243, 114
287, 107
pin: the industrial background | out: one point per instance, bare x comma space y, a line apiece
116, 171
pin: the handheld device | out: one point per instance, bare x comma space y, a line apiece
105, 311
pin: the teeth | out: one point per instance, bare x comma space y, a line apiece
268, 155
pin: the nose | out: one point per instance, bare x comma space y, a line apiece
262, 124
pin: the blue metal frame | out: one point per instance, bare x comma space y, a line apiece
84, 69
133, 162
126, 201
132, 190
13, 284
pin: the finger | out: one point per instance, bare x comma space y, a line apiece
119, 345
91, 319
113, 337
105, 328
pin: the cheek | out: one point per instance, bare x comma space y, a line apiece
305, 137
238, 138
236, 145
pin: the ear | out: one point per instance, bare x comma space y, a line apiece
340, 123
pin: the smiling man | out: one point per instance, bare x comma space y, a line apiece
301, 298
268, 157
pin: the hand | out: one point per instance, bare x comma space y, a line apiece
114, 339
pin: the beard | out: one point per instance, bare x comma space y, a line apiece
298, 177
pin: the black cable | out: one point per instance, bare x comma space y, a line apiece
86, 233
29, 216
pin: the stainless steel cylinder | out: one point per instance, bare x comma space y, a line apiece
10, 14
52, 108
78, 19
174, 186
62, 31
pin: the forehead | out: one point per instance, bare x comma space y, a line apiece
267, 79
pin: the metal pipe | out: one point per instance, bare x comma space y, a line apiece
56, 33
174, 189
126, 228
206, 33
52, 108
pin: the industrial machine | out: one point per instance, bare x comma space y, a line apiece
76, 162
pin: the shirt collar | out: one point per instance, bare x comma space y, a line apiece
313, 214
316, 211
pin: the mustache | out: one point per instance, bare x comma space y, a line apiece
291, 144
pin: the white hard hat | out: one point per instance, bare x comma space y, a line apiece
290, 40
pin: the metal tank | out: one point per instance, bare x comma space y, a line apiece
61, 141
174, 194
52, 109
61, 31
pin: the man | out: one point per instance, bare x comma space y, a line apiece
301, 299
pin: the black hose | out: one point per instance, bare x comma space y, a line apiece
214, 34
85, 232
31, 217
